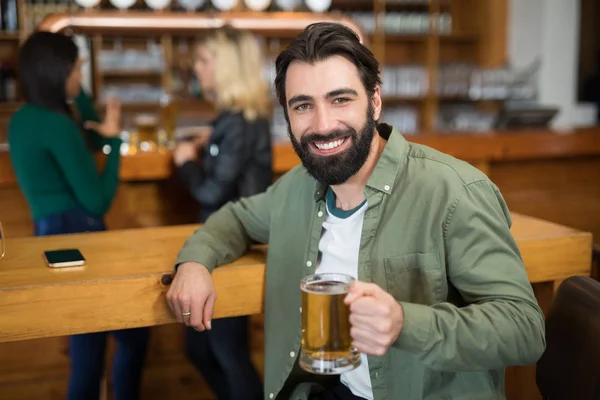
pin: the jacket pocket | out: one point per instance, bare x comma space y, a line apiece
416, 278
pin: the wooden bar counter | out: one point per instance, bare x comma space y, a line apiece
546, 174
122, 286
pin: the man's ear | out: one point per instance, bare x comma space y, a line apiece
377, 103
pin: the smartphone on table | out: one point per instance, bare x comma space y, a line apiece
62, 258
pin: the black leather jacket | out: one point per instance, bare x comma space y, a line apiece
235, 163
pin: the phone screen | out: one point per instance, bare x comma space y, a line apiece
64, 258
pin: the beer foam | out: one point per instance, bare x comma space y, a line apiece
146, 119
326, 287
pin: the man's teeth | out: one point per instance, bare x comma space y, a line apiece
329, 145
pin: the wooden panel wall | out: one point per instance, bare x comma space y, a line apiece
565, 191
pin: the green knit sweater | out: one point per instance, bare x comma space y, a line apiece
53, 164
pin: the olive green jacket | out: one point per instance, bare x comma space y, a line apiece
435, 236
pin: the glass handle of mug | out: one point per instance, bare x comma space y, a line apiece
2, 243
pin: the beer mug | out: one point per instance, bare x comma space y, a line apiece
147, 131
327, 347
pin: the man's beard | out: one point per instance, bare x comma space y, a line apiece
336, 169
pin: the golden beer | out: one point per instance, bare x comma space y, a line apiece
147, 131
326, 342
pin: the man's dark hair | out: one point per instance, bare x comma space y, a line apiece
46, 60
320, 41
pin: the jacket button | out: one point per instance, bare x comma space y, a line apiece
309, 263
292, 354
387, 187
320, 214
271, 395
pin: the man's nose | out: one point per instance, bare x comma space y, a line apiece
322, 120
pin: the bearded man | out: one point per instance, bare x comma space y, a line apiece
441, 303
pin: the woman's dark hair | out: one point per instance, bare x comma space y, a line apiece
320, 41
46, 60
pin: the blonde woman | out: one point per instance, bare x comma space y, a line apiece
234, 162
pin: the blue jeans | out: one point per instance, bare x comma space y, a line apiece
87, 350
223, 357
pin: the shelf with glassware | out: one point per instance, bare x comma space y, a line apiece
405, 81
9, 42
453, 67
418, 48
461, 87
136, 74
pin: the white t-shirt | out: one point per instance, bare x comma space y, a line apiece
339, 246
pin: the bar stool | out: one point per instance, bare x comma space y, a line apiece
570, 366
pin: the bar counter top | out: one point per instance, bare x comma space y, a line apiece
126, 276
471, 147
490, 146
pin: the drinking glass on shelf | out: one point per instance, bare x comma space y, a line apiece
404, 118
191, 5
476, 85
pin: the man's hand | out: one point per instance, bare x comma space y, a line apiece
376, 318
192, 296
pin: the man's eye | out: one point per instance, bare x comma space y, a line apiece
301, 107
341, 100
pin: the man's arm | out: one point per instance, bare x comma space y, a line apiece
224, 238
227, 234
503, 324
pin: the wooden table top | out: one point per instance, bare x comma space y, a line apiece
121, 284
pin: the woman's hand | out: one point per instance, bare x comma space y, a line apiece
203, 136
111, 126
184, 152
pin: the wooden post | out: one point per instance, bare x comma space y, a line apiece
379, 35
167, 45
432, 63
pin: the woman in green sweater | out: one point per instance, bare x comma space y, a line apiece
51, 141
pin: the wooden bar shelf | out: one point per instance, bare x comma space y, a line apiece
146, 23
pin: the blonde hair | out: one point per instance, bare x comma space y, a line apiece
239, 82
